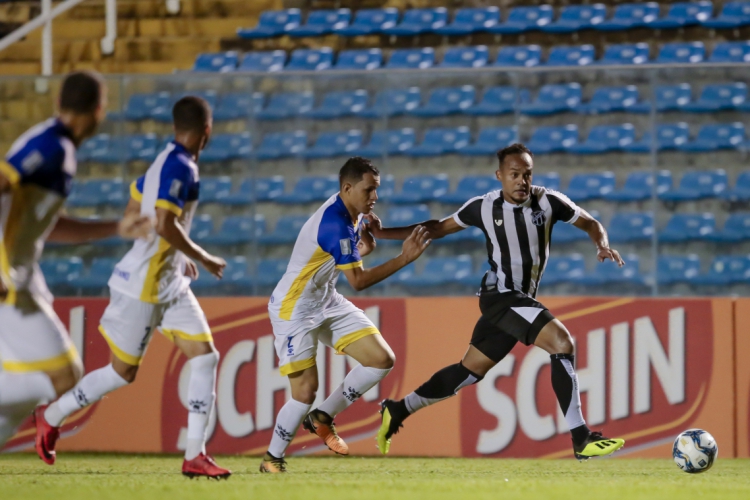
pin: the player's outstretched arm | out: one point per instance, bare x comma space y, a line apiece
436, 228
75, 231
172, 231
598, 235
360, 278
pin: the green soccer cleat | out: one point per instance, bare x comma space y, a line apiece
597, 445
389, 425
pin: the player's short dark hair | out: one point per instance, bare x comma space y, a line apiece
191, 114
81, 92
514, 149
355, 168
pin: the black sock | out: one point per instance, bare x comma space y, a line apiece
565, 384
442, 385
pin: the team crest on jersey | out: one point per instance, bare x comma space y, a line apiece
346, 246
538, 218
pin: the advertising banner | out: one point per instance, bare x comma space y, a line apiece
742, 351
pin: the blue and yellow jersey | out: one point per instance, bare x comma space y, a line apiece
153, 271
326, 244
40, 166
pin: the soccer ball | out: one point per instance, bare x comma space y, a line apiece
695, 451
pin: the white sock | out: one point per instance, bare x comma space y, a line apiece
11, 417
22, 388
287, 422
90, 389
201, 398
360, 380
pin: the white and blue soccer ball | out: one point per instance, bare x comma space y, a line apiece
695, 451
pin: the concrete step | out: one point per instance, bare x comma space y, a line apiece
140, 9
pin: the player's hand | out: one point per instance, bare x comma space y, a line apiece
366, 242
191, 270
374, 224
606, 253
133, 226
416, 243
214, 265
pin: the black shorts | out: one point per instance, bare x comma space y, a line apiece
507, 318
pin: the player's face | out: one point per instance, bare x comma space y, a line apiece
207, 134
515, 173
364, 194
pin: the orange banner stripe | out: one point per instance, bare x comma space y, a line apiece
593, 309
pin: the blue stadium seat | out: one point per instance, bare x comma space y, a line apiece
674, 269
446, 101
364, 59
731, 51
564, 269
469, 187
469, 235
406, 216
577, 17
630, 15
95, 143
683, 14
554, 99
270, 271
332, 144
286, 105
236, 279
388, 142
614, 99
393, 103
523, 19
387, 187
273, 23
140, 106
215, 189
201, 227
309, 189
439, 141
322, 22
310, 59
97, 192
412, 58
718, 97
609, 273
465, 57
238, 229
418, 21
523, 55
98, 274
741, 190
369, 22
552, 139
668, 137
340, 104
401, 276
733, 15
225, 147
286, 230
672, 97
584, 187
422, 189
724, 270
282, 145
550, 180
441, 271
239, 105
135, 147
682, 228
631, 227
605, 139
567, 233
571, 56
272, 60
468, 21
490, 140
716, 136
625, 53
681, 52
498, 101
638, 186
736, 229
697, 185
60, 271
219, 62
262, 189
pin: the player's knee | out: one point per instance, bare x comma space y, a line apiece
306, 392
127, 372
66, 378
564, 343
385, 360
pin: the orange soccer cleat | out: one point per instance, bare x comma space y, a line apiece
204, 466
272, 465
46, 436
318, 422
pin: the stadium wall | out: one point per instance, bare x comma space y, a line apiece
648, 368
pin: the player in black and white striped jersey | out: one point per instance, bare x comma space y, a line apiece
517, 222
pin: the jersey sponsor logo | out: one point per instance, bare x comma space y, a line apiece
346, 246
122, 274
174, 189
32, 161
538, 218
498, 222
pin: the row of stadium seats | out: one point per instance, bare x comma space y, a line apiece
488, 19
469, 57
444, 101
437, 141
724, 270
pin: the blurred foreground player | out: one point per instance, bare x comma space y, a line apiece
38, 359
306, 308
150, 288
517, 222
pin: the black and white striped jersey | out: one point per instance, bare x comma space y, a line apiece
518, 236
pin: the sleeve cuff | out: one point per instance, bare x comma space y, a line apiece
575, 216
168, 205
134, 193
10, 172
459, 221
344, 267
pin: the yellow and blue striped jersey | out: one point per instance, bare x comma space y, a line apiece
326, 244
152, 270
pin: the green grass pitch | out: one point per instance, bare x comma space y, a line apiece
135, 477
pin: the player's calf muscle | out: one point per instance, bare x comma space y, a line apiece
66, 378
